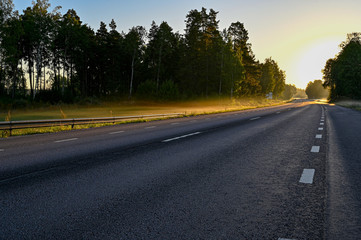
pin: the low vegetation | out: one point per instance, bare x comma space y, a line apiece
109, 109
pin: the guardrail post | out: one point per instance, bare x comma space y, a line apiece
72, 126
11, 128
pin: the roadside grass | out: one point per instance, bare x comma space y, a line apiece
111, 109
353, 104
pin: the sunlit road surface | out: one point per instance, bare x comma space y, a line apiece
287, 172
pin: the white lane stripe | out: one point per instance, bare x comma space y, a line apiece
150, 127
1, 150
184, 136
322, 123
319, 136
315, 149
252, 119
116, 132
286, 239
320, 129
307, 176
66, 140
176, 123
278, 112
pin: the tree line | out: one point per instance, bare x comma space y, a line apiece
53, 57
342, 74
316, 90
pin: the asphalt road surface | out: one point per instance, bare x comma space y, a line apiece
286, 172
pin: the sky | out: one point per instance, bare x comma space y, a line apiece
300, 35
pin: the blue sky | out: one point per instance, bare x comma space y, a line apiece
299, 34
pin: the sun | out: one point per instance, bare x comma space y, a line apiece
311, 59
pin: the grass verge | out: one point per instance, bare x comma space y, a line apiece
353, 104
191, 108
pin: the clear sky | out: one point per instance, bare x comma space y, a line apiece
299, 34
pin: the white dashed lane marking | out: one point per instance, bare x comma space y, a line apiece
252, 119
315, 149
307, 176
319, 136
322, 123
150, 127
320, 129
180, 137
176, 123
116, 132
66, 140
2, 150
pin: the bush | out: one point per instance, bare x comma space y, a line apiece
168, 90
147, 90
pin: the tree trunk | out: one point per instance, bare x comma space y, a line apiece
30, 77
220, 77
1, 74
159, 63
38, 70
23, 78
132, 75
15, 71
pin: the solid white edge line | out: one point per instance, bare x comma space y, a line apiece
184, 136
315, 149
318, 135
116, 132
66, 140
307, 176
252, 119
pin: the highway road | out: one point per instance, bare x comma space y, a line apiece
285, 172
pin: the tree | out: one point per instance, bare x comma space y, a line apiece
280, 80
343, 73
267, 79
250, 85
203, 53
11, 41
161, 56
134, 42
315, 90
6, 10
289, 92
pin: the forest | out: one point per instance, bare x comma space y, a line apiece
50, 57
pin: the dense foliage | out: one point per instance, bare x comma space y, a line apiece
315, 90
52, 57
289, 92
342, 74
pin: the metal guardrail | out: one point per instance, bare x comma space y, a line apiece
11, 125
